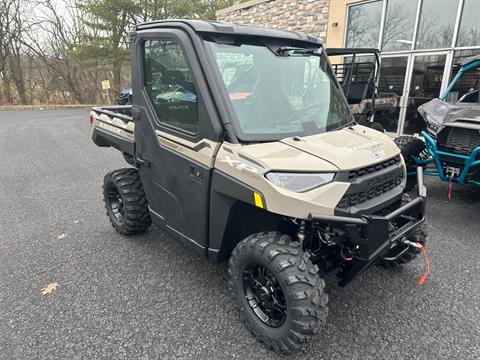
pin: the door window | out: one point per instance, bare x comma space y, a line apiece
169, 84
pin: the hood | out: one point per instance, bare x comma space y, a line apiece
438, 113
348, 148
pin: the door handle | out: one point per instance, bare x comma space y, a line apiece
141, 161
195, 173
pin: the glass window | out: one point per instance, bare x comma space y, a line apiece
425, 85
469, 83
390, 90
169, 84
278, 96
392, 75
362, 70
469, 31
363, 26
436, 24
399, 25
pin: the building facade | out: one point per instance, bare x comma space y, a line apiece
421, 41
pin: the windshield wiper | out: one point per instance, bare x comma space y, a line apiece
285, 50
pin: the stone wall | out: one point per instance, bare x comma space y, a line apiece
308, 16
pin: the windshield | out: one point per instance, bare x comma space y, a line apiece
275, 97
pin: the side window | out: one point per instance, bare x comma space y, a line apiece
170, 85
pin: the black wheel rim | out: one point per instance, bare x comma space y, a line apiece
264, 295
116, 203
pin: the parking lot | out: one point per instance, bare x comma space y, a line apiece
146, 297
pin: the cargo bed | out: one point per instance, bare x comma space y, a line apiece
114, 126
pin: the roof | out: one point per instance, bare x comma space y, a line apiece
216, 27
470, 59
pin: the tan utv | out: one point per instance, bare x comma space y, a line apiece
243, 147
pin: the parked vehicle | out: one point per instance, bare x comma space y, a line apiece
243, 147
358, 74
451, 149
125, 97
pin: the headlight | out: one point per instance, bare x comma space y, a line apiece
430, 120
299, 182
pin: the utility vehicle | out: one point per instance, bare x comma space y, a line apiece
243, 147
125, 97
358, 73
451, 147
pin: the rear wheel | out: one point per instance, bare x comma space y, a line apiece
280, 296
410, 147
125, 201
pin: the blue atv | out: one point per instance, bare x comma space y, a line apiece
451, 145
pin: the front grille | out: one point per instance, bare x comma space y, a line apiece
376, 187
458, 140
354, 174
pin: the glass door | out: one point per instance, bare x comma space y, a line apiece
391, 87
426, 72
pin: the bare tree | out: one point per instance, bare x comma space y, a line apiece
11, 31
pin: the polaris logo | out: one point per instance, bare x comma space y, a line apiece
378, 155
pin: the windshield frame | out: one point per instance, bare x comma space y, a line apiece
275, 45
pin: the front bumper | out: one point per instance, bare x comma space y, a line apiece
374, 234
442, 160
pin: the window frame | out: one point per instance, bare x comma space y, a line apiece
179, 39
382, 20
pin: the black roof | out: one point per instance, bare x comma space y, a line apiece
216, 27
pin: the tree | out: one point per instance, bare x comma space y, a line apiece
105, 38
57, 51
12, 30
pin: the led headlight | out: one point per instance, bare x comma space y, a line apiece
433, 124
299, 182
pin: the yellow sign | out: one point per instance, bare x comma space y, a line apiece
106, 84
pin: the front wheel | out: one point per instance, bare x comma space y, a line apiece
278, 291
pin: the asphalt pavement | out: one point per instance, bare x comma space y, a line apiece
147, 297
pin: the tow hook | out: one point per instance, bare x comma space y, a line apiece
419, 246
416, 245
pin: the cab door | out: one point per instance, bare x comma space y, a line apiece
176, 133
